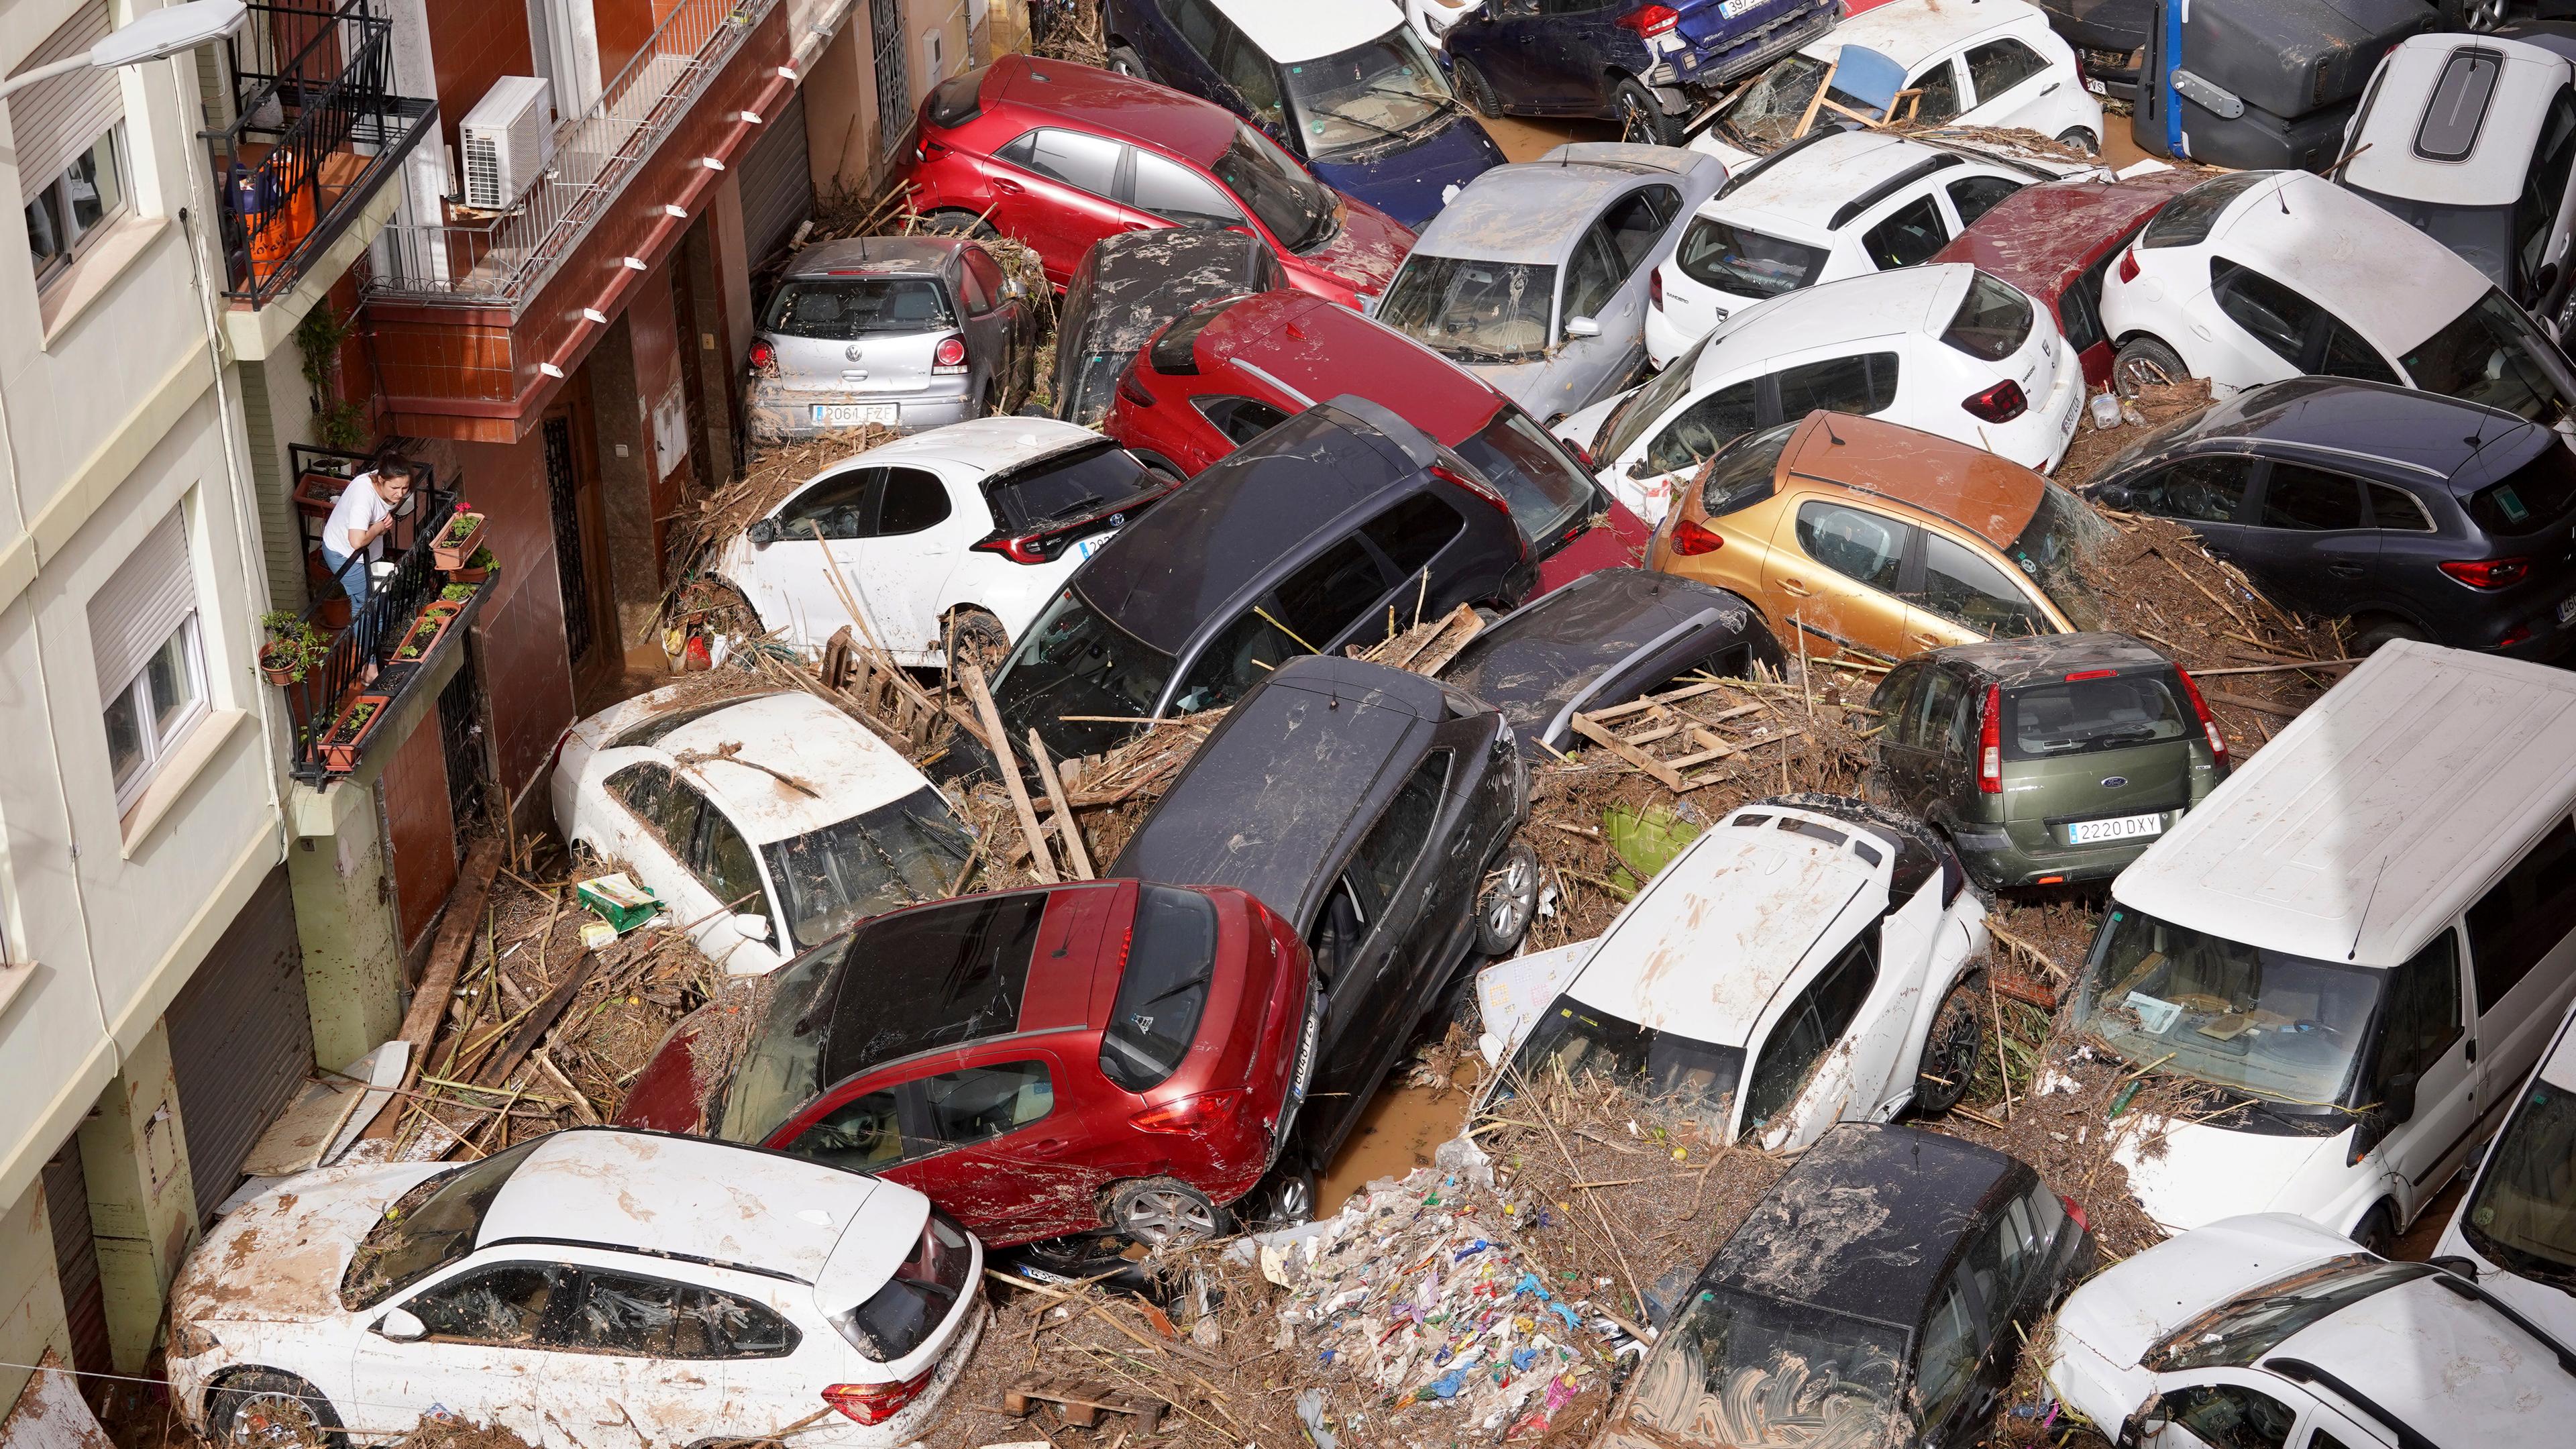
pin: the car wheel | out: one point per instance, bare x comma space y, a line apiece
2385, 631
1508, 901
2146, 362
958, 221
1076, 1255
1641, 121
2377, 1231
977, 638
2081, 139
2477, 15
1478, 90
1159, 1212
1123, 60
1950, 1052
1284, 1199
271, 1409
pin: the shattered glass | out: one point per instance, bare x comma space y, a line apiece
902, 853
1745, 1371
428, 1228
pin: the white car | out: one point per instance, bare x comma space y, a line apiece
1947, 349
677, 1289
1783, 973
767, 824
1977, 63
957, 535
2258, 276
2517, 1224
1837, 204
2269, 1332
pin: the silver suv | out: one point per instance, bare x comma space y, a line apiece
909, 331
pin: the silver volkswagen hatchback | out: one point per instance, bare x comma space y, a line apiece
909, 331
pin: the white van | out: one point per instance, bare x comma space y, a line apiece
2517, 1224
2359, 943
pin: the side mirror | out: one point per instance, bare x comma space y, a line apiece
2112, 495
762, 533
2397, 1099
751, 927
1582, 327
1014, 288
2465, 1269
1641, 469
402, 1326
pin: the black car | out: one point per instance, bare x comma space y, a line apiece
1127, 286
2107, 36
2417, 516
1601, 640
1875, 1297
1331, 528
1595, 57
1368, 806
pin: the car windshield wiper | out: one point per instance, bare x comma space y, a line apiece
1339, 114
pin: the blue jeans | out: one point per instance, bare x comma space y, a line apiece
353, 576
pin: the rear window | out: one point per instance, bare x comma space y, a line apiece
1743, 475
1547, 493
2540, 493
933, 977
1992, 322
2078, 716
1175, 352
838, 309
1171, 954
902, 1315
955, 101
2187, 219
1747, 263
1066, 486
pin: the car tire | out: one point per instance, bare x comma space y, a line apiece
1478, 90
1156, 1212
2377, 1231
2479, 16
2382, 632
265, 1408
1077, 1255
958, 221
976, 637
1282, 1200
1640, 120
2145, 361
1508, 901
2081, 139
1123, 60
1950, 1051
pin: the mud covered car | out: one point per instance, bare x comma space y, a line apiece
909, 332
1123, 291
695, 1290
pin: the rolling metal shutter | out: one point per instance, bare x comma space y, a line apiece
241, 1040
777, 184
76, 1262
55, 120
134, 613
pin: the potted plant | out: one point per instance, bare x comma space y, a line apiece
457, 592
340, 743
476, 569
457, 542
425, 631
293, 647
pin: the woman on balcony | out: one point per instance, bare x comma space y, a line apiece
353, 536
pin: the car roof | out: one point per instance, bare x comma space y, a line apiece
2042, 237
1726, 925
1637, 159
2378, 815
2048, 658
1266, 803
1973, 489
2385, 158
1911, 299
877, 256
1804, 188
1139, 280
782, 765
1864, 1223
2393, 283
1321, 348
2465, 1367
1541, 658
977, 445
2559, 1067
1309, 28
1909, 31
2469, 444
1529, 212
1140, 112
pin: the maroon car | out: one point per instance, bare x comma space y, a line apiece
1039, 1062
2056, 240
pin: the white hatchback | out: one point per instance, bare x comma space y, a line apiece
766, 823
2517, 1224
1783, 973
954, 536
1947, 349
589, 1289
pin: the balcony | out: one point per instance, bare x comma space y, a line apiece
317, 133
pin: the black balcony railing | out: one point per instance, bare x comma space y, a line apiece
317, 130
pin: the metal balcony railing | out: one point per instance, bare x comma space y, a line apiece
317, 129
502, 258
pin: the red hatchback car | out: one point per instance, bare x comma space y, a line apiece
1038, 1062
1060, 155
1214, 379
2055, 240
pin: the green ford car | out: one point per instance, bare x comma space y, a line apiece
2046, 760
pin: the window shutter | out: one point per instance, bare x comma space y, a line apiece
54, 121
132, 616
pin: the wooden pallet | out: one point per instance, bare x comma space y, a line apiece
1082, 1403
869, 680
1635, 731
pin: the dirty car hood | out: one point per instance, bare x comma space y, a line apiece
280, 1258
1367, 248
2207, 1173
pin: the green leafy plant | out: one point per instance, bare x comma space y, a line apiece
456, 593
460, 528
293, 647
483, 559
339, 423
356, 723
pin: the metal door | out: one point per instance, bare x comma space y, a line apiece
563, 503
894, 90
241, 1040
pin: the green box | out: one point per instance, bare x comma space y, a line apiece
619, 901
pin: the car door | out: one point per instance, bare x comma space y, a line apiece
1171, 192
2525, 963
1248, 85
1561, 73
2303, 335
646, 1365
1908, 232
1516, 54
1949, 1353
2223, 1408
2007, 80
1365, 944
2422, 1040
2408, 577
2207, 492
1934, 713
787, 571
2542, 216
645, 818
901, 561
495, 1340
1970, 197
1309, 609
1057, 193
1177, 46
1698, 431
993, 328
1790, 1097
1863, 384
1963, 593
1833, 577
1005, 1139
2311, 532
1587, 369
1899, 748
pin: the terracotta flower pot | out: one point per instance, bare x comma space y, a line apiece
466, 576
451, 549
340, 744
280, 675
425, 631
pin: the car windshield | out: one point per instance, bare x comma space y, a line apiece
1767, 113
1162, 988
1366, 96
1298, 209
901, 853
1747, 263
1547, 492
2061, 540
2252, 1324
1091, 382
838, 309
1736, 1369
1641, 410
1573, 1040
1073, 661
2523, 1218
2265, 1023
1474, 311
2078, 715
427, 1228
2491, 354
2540, 494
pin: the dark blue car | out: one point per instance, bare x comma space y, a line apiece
1647, 66
1343, 83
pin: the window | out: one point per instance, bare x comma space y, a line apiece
1864, 384
1413, 532
1162, 989
975, 1104
1964, 588
2230, 1416
1940, 99
2534, 498
642, 789
676, 814
1704, 429
2491, 354
2394, 509
151, 666
1241, 419
1974, 196
2544, 189
1999, 65
1746, 472
2187, 220
1939, 706
1593, 278
1946, 1363
1177, 194
2423, 1012
1992, 322
504, 1305
2311, 499
1723, 255
1910, 236
843, 309
2347, 355
839, 505
1089, 163
1809, 1029
862, 1134
985, 285
1636, 222
1895, 700
1388, 851
979, 297
2196, 490
76, 202
653, 1318
726, 864
2518, 923
67, 131
2278, 317
1246, 69
1861, 546
1322, 599
914, 500
1197, 22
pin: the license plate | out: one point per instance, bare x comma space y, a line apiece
2096, 87
1084, 548
2067, 428
2567, 608
850, 415
1305, 1060
2126, 827
1732, 8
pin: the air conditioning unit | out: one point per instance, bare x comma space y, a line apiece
507, 139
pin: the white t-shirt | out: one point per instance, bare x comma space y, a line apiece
358, 510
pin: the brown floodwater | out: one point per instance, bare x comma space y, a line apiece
1395, 1136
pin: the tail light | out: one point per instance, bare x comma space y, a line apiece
1998, 404
2129, 265
1189, 1114
2091, 674
1027, 548
1655, 289
764, 358
1650, 20
2489, 573
950, 357
2200, 709
1134, 391
876, 1403
2515, 635
2075, 1210
1693, 539
1990, 742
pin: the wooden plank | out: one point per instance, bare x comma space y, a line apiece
535, 1024
455, 941
1670, 696
1716, 747
1067, 829
2264, 706
998, 740
1601, 735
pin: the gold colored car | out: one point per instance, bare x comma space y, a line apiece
1880, 541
